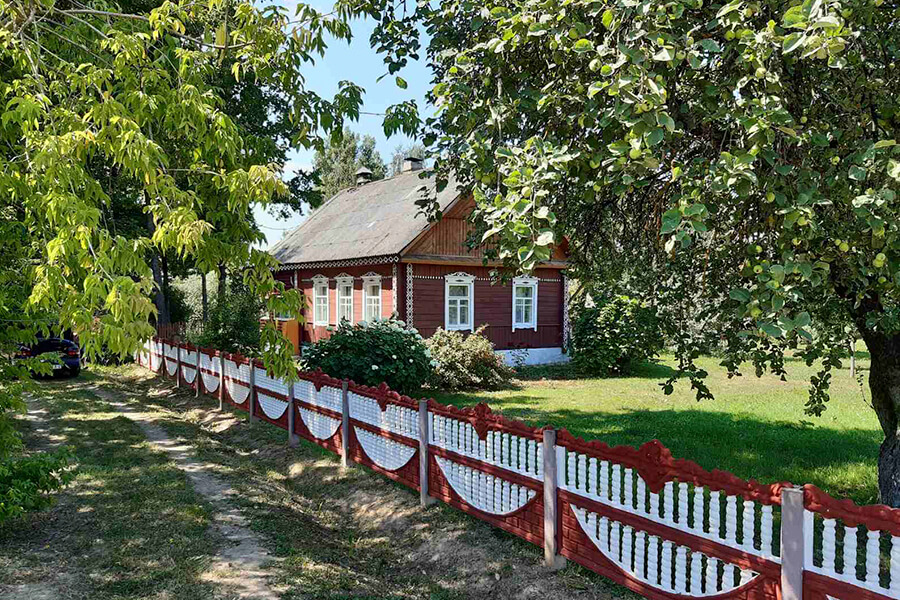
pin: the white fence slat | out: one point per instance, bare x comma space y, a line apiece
748, 529
715, 514
873, 562
680, 570
712, 576
828, 546
653, 560
895, 566
696, 576
731, 520
698, 509
666, 566
683, 505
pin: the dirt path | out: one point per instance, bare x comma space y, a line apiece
239, 570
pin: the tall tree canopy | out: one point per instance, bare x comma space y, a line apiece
736, 160
338, 161
121, 141
401, 153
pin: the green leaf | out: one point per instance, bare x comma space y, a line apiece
784, 169
792, 42
857, 173
884, 144
730, 7
221, 34
740, 294
671, 219
894, 169
655, 136
583, 45
607, 18
664, 55
710, 45
545, 238
771, 329
401, 83
667, 121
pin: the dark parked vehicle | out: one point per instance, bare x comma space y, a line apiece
69, 354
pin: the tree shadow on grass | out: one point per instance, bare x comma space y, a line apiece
647, 369
840, 461
131, 525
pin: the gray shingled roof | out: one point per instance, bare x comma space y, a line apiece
375, 219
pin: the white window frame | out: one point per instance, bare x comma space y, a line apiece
320, 288
371, 279
532, 284
344, 280
467, 280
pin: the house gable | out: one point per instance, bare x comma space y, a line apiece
445, 239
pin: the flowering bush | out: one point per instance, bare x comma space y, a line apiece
607, 339
467, 361
372, 353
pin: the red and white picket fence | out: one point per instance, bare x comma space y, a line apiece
663, 527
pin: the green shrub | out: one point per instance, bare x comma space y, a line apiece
233, 324
374, 352
180, 310
26, 480
467, 361
608, 338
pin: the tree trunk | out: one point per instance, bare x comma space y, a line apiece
159, 298
884, 384
204, 299
223, 273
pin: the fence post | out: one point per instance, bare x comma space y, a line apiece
425, 499
198, 376
221, 381
293, 438
345, 423
178, 366
793, 544
552, 558
251, 398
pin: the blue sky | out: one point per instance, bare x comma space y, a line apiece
358, 63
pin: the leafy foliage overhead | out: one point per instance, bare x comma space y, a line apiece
121, 141
336, 164
736, 161
137, 93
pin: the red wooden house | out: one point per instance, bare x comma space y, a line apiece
366, 254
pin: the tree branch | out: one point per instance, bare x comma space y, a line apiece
117, 15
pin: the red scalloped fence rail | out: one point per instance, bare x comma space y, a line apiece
661, 526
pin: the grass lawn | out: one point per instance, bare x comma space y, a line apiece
754, 428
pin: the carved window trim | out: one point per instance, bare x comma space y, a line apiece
320, 290
459, 279
342, 281
370, 279
530, 283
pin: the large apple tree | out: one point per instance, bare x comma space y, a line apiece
737, 161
